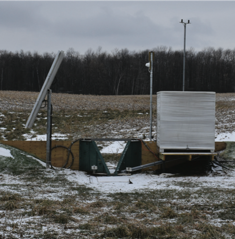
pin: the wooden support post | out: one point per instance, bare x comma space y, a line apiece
162, 157
163, 166
190, 157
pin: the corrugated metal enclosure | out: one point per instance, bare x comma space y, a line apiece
186, 120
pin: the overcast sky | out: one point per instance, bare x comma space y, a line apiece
135, 25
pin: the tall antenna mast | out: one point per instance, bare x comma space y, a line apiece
185, 23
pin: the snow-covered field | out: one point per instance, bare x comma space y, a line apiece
36, 202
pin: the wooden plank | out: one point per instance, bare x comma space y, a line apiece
38, 149
148, 157
220, 146
212, 157
187, 153
75, 150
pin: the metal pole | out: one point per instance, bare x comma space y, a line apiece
185, 23
151, 92
48, 149
184, 56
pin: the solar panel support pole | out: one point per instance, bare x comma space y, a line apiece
49, 121
151, 94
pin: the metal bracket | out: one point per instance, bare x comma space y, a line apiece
101, 158
90, 156
121, 159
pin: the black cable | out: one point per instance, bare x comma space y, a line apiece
221, 165
75, 141
67, 160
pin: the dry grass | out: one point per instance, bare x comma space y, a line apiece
104, 216
168, 213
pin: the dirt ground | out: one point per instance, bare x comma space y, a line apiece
25, 100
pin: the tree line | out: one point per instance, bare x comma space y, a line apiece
121, 72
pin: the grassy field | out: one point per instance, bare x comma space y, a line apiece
79, 116
76, 116
39, 203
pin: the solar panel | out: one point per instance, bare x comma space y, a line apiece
47, 84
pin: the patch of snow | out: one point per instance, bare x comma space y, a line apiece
113, 184
225, 137
114, 147
111, 167
113, 179
5, 152
10, 179
43, 137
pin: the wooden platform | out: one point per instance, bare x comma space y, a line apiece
148, 157
59, 155
189, 155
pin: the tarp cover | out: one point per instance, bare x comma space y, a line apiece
186, 120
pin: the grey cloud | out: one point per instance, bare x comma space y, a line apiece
14, 15
133, 25
134, 30
118, 29
106, 24
200, 33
